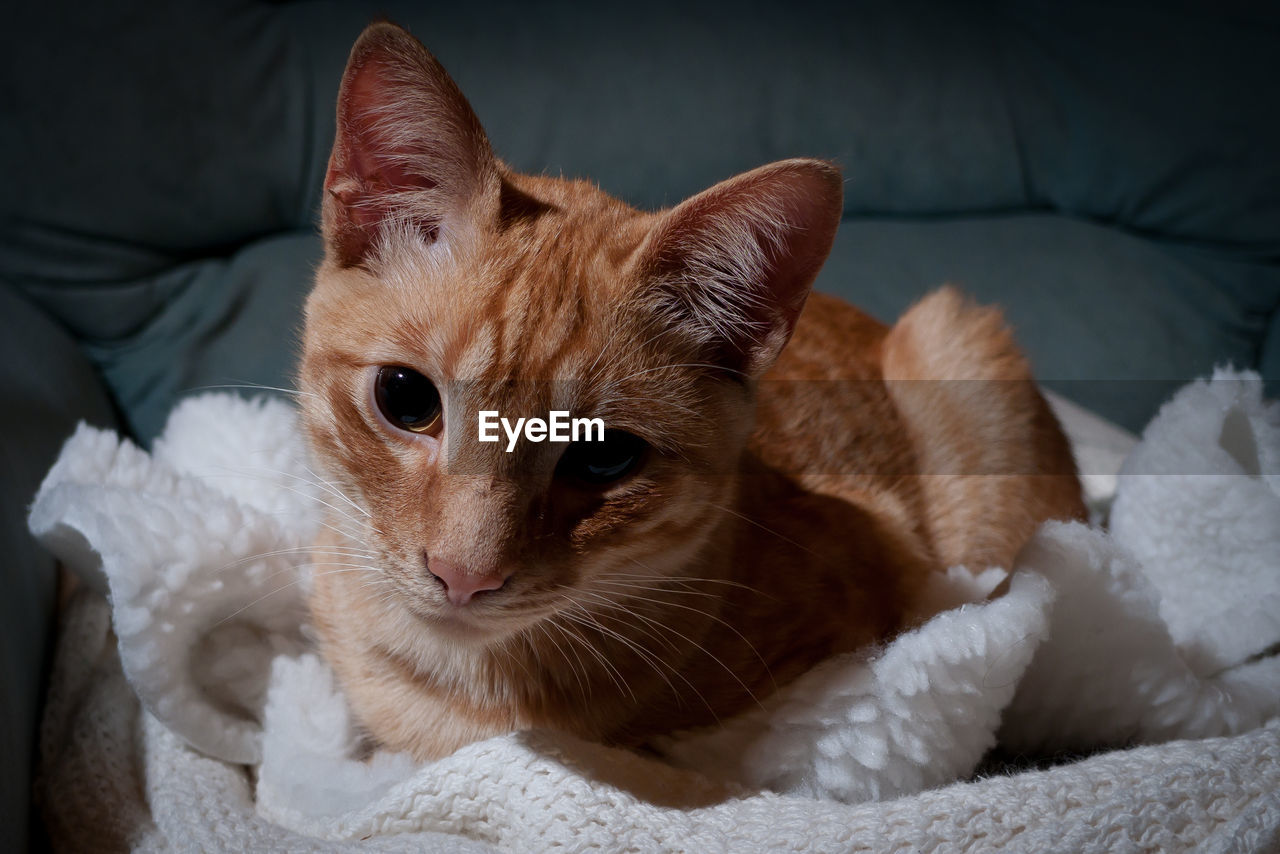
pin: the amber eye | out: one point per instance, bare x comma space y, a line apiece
603, 462
407, 399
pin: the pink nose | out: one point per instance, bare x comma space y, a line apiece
459, 584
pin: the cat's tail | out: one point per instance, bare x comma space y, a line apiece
994, 460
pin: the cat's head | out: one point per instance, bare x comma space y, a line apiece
453, 286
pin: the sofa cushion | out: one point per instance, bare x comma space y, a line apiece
1113, 321
221, 323
149, 133
1147, 116
46, 385
187, 126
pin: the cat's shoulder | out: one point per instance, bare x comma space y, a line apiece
833, 340
944, 335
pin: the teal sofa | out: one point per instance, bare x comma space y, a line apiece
1109, 173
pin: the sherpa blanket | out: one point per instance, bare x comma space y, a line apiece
189, 713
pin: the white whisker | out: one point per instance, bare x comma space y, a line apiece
257, 387
685, 637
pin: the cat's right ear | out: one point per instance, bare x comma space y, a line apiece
409, 152
731, 267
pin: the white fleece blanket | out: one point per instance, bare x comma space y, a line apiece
1166, 627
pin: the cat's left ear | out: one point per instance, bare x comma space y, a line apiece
409, 151
733, 265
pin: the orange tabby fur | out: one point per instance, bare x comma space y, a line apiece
794, 501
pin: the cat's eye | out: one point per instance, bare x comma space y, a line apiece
604, 462
407, 399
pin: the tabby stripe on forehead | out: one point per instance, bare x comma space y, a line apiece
570, 342
497, 323
483, 335
575, 329
477, 350
542, 314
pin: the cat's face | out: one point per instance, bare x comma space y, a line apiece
403, 355
453, 286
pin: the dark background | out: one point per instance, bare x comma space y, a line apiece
1108, 172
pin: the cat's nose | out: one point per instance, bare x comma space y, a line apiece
459, 584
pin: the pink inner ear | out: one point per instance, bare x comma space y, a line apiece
368, 172
408, 149
738, 259
369, 107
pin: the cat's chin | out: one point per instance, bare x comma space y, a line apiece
458, 624
461, 625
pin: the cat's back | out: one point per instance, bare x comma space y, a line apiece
833, 341
859, 410
823, 408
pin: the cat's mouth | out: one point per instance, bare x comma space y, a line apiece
475, 621
463, 623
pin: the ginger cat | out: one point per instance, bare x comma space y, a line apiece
755, 505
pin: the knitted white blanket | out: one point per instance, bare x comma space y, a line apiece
1164, 628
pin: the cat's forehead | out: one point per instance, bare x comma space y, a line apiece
541, 299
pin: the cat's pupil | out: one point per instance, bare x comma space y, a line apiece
603, 462
407, 399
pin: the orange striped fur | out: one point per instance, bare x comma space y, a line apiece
795, 496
